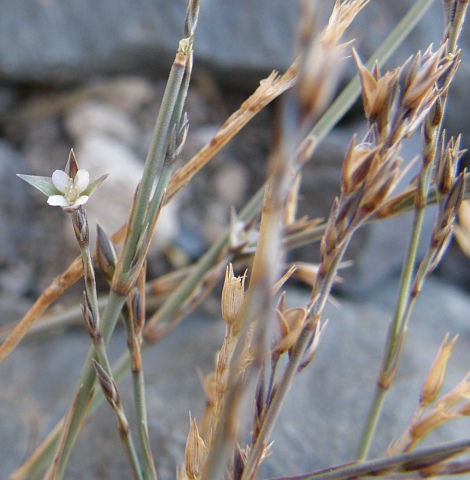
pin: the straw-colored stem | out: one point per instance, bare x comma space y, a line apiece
291, 369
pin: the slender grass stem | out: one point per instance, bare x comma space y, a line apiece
87, 378
155, 157
404, 463
141, 413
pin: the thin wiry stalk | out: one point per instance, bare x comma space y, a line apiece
134, 323
91, 312
284, 383
51, 474
123, 279
404, 463
87, 379
258, 313
92, 322
109, 388
155, 158
406, 296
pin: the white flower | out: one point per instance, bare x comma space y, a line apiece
71, 189
67, 188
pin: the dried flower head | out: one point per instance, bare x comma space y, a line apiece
67, 188
290, 323
233, 294
195, 452
433, 381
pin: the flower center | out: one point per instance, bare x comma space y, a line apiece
71, 192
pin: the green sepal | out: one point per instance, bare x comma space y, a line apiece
95, 184
43, 184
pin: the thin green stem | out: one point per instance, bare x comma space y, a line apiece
87, 378
371, 424
142, 428
129, 447
154, 161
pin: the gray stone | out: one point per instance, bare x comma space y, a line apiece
65, 41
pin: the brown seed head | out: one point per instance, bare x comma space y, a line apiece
356, 166
378, 91
195, 452
428, 423
433, 381
233, 294
290, 323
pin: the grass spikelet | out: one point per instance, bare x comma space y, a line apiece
195, 452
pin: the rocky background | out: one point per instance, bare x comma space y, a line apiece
90, 75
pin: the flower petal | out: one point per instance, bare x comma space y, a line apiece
81, 180
60, 179
58, 201
81, 200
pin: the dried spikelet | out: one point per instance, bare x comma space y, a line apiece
460, 392
378, 92
233, 294
320, 69
195, 453
433, 381
380, 188
462, 229
290, 211
306, 272
290, 323
428, 423
341, 17
275, 288
464, 409
447, 165
208, 386
443, 410
181, 473
420, 81
357, 164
